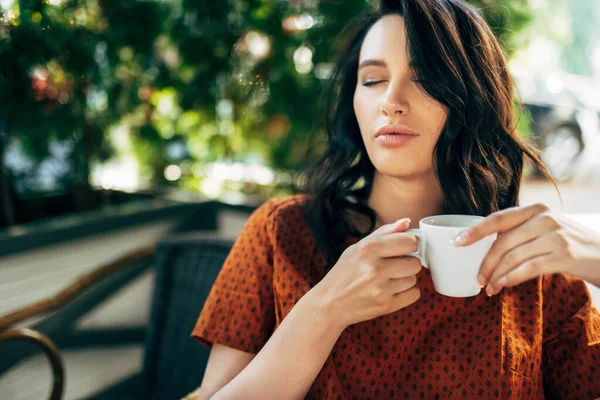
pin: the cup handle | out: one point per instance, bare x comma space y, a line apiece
420, 253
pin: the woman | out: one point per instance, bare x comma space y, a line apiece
420, 123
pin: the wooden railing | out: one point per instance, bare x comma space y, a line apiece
86, 292
64, 297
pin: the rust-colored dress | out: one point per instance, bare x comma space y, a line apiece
539, 339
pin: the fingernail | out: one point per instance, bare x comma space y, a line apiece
460, 239
482, 281
502, 281
402, 221
489, 290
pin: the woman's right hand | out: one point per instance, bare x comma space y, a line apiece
373, 277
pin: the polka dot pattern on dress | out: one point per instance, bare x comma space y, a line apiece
541, 338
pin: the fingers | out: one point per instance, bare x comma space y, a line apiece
397, 244
528, 270
399, 226
400, 267
388, 241
401, 285
499, 222
541, 246
506, 244
405, 298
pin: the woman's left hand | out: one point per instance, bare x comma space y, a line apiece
534, 241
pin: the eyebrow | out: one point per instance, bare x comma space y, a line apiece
373, 63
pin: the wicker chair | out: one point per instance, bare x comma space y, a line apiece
186, 267
174, 363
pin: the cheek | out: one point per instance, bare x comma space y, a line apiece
436, 117
440, 117
359, 109
364, 109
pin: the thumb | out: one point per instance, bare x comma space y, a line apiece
399, 226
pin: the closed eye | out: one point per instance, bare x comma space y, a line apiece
372, 83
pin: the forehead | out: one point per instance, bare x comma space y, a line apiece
386, 40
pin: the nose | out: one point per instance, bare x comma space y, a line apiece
390, 109
394, 104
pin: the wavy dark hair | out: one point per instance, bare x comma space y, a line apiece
479, 156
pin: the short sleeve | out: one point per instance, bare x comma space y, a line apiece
571, 346
239, 311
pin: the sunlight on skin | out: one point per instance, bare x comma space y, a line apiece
534, 241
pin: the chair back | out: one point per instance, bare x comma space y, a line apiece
186, 267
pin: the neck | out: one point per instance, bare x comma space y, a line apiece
415, 198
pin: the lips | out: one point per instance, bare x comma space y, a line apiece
395, 135
395, 129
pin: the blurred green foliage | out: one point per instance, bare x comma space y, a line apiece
230, 80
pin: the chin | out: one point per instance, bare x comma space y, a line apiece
399, 170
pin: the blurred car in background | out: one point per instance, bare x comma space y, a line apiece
564, 111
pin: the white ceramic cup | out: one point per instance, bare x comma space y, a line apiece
454, 270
